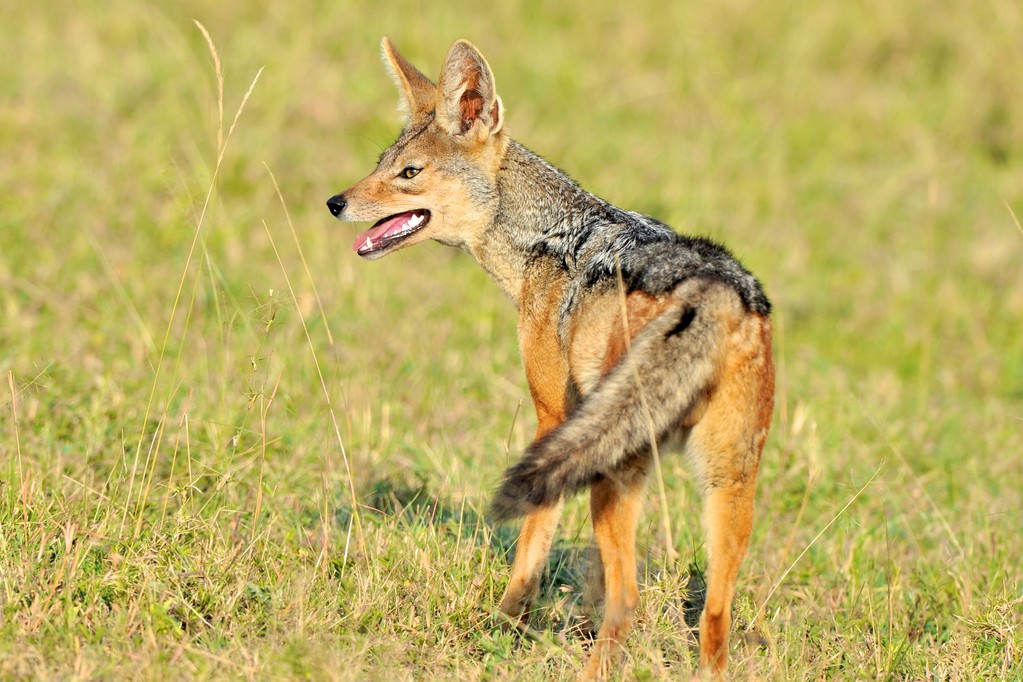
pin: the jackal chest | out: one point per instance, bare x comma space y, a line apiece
544, 357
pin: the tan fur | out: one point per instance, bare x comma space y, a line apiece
547, 375
624, 327
417, 91
615, 505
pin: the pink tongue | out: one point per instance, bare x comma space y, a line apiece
381, 231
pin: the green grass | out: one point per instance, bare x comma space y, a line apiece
282, 473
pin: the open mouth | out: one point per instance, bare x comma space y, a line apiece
389, 231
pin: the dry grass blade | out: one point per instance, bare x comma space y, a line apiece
219, 73
23, 482
356, 518
197, 235
1014, 218
829, 524
301, 255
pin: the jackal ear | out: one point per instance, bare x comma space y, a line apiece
467, 101
418, 92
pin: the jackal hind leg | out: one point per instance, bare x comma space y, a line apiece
616, 501
728, 519
726, 444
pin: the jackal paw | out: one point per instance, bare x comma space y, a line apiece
512, 619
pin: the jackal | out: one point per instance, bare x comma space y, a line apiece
631, 335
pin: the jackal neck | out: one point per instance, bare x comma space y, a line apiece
539, 210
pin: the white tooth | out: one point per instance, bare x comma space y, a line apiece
369, 243
414, 220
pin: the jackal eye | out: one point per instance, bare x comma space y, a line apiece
409, 172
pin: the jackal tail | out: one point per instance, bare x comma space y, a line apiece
670, 365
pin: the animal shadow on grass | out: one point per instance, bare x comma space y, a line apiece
562, 608
560, 597
692, 606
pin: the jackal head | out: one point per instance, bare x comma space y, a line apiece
439, 179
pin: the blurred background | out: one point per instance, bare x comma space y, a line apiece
193, 356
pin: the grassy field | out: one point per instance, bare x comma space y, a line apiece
229, 449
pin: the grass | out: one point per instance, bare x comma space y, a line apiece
281, 472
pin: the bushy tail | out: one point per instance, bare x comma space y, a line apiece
672, 357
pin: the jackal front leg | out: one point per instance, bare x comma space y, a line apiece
547, 375
534, 545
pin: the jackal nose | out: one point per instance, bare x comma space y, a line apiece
336, 204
